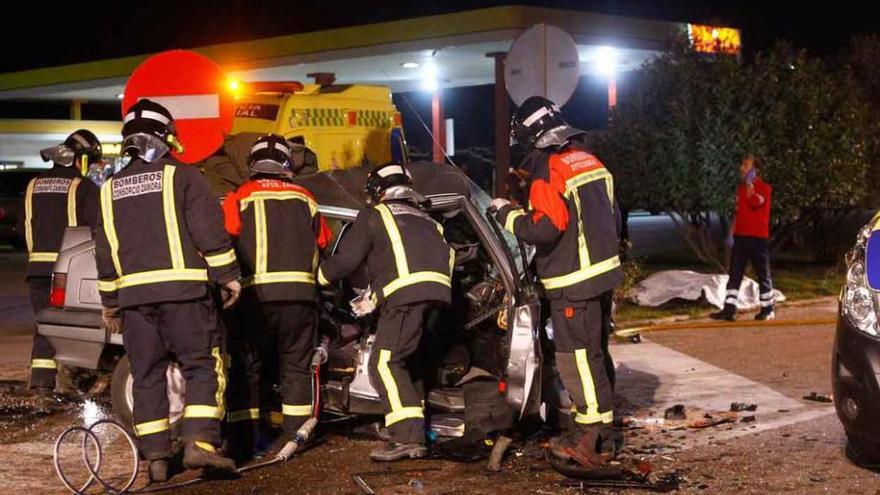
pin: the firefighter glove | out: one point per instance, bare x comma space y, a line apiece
230, 292
111, 319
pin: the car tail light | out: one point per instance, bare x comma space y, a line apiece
56, 295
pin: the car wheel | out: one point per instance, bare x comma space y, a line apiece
863, 452
122, 397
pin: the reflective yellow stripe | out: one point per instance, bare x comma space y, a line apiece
280, 195
262, 239
71, 202
587, 269
396, 241
451, 261
416, 278
403, 413
43, 257
279, 278
304, 410
276, 418
202, 412
398, 412
175, 249
159, 276
586, 376
582, 274
388, 379
583, 253
321, 278
109, 227
29, 215
586, 178
205, 446
511, 218
609, 188
223, 259
105, 286
44, 364
243, 415
152, 427
591, 419
220, 370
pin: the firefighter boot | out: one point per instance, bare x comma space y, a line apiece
397, 451
198, 455
44, 400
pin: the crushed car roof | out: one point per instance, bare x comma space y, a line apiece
345, 188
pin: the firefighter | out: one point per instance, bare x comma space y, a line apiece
278, 233
160, 246
749, 241
58, 198
573, 222
409, 265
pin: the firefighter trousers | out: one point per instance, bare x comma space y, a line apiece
392, 370
757, 251
582, 358
283, 332
189, 333
43, 366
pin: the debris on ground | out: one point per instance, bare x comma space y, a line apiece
502, 443
742, 406
814, 397
748, 419
665, 483
682, 418
360, 478
675, 412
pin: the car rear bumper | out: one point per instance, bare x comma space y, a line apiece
77, 336
855, 378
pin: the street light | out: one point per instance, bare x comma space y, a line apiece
606, 61
429, 77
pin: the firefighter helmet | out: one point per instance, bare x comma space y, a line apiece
81, 148
538, 123
392, 181
148, 131
270, 155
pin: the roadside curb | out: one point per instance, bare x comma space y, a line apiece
685, 317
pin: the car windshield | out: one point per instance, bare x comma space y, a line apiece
481, 200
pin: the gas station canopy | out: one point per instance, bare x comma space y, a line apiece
439, 51
424, 53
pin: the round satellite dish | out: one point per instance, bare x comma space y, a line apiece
542, 61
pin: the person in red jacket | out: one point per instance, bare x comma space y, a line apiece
751, 240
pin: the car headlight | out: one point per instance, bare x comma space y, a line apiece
860, 302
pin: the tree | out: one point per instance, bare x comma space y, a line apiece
685, 120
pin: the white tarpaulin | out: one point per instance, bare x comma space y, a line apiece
665, 286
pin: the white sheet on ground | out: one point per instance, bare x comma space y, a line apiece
665, 286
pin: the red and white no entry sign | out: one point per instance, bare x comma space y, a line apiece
195, 90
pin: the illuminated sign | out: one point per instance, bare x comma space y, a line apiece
714, 39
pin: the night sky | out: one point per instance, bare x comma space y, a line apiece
41, 35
